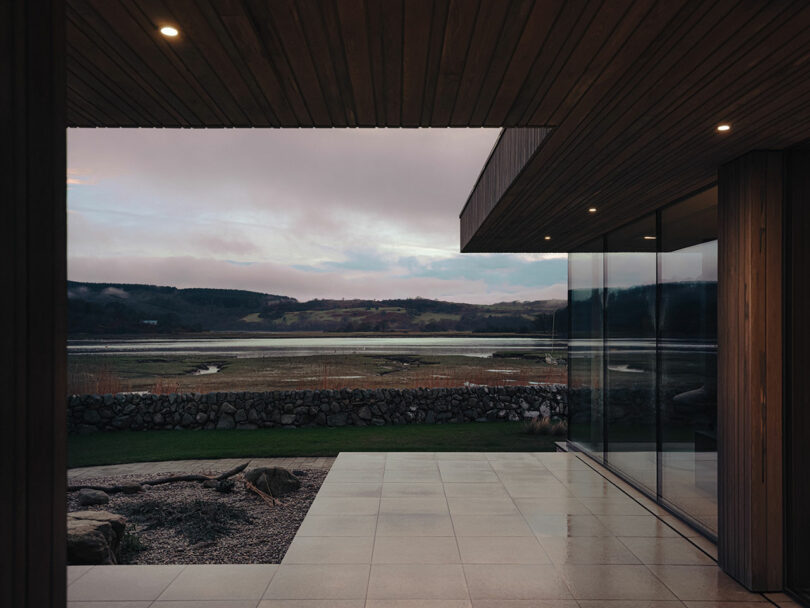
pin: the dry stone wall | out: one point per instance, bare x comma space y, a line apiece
293, 409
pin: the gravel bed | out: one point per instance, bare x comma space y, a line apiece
257, 534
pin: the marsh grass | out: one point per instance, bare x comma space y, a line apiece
101, 374
546, 426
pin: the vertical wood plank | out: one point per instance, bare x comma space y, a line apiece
32, 352
750, 192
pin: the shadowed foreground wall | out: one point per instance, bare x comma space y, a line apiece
32, 323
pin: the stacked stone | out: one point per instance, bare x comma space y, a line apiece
294, 409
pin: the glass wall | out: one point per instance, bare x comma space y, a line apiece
630, 269
585, 362
687, 350
643, 355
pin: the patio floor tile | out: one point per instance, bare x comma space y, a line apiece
220, 582
520, 489
123, 583
75, 572
319, 582
550, 506
587, 550
501, 550
436, 505
412, 476
412, 490
614, 582
338, 525
519, 582
632, 604
567, 525
354, 476
203, 604
473, 505
311, 604
463, 456
491, 525
703, 583
636, 525
145, 604
418, 604
409, 581
475, 490
525, 604
329, 550
716, 604
358, 490
416, 550
344, 505
414, 524
613, 506
675, 551
117, 583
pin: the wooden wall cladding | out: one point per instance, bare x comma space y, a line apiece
33, 324
750, 371
509, 156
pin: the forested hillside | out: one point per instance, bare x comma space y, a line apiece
106, 308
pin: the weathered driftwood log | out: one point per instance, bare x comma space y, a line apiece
132, 487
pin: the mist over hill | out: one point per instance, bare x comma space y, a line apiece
120, 308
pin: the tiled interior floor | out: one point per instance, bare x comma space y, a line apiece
453, 530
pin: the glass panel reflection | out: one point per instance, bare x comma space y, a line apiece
585, 284
630, 280
643, 354
688, 357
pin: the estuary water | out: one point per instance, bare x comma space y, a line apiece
292, 347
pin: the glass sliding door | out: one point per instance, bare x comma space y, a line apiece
585, 363
643, 355
630, 334
688, 358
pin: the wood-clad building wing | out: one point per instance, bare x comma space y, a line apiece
509, 156
640, 131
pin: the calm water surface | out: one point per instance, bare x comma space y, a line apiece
291, 347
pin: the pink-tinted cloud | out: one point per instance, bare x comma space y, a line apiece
308, 213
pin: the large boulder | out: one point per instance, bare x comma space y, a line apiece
94, 537
275, 481
88, 497
226, 422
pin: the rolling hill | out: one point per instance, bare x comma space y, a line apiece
112, 308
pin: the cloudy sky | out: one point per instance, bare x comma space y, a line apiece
351, 213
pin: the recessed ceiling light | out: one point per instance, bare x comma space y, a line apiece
548, 238
722, 128
169, 31
592, 210
649, 238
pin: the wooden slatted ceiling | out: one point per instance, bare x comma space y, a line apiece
333, 63
632, 89
643, 133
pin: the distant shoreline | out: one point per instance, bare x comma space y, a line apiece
207, 335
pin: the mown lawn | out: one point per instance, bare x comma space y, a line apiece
145, 446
